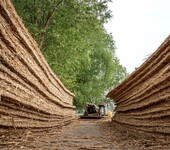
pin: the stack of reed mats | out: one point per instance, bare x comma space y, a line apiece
31, 95
143, 98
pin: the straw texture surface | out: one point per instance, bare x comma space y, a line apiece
143, 98
30, 94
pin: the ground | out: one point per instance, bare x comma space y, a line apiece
82, 135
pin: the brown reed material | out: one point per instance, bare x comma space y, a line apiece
143, 98
31, 95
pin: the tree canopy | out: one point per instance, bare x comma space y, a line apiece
72, 37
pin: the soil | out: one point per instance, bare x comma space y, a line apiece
83, 134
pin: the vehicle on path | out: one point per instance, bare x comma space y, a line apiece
94, 112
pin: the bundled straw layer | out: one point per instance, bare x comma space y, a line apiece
143, 98
30, 94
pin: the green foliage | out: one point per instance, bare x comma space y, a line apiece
72, 37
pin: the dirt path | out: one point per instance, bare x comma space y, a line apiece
80, 135
83, 135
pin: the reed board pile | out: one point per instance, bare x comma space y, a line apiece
143, 98
30, 94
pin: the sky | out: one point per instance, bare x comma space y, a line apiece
138, 27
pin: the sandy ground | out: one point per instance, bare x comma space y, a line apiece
83, 135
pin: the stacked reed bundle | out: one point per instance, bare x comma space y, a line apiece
143, 98
31, 95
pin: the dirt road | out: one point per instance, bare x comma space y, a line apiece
82, 135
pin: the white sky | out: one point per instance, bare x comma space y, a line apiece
138, 27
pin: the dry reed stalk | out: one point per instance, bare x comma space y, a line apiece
148, 92
5, 101
19, 122
30, 44
155, 81
161, 109
17, 86
22, 114
145, 70
152, 130
31, 95
154, 99
143, 98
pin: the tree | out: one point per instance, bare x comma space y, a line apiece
75, 44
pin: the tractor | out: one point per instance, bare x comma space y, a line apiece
94, 112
